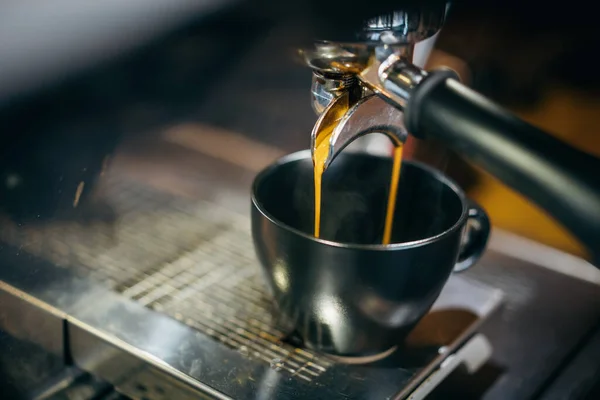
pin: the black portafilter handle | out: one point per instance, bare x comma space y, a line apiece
561, 179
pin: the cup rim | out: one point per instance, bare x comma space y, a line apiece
306, 154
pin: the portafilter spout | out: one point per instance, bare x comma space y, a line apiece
343, 103
351, 120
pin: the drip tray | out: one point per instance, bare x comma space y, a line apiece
193, 261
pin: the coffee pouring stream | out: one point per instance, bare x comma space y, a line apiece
390, 95
345, 119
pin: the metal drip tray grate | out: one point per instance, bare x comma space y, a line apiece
191, 260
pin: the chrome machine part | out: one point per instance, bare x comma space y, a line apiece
326, 87
380, 37
369, 114
472, 356
393, 79
392, 82
336, 66
403, 27
396, 30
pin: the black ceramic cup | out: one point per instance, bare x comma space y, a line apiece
346, 293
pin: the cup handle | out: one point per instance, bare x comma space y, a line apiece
478, 232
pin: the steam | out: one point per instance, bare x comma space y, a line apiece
346, 215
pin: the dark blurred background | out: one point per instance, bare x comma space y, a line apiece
77, 82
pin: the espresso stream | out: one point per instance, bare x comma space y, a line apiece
320, 153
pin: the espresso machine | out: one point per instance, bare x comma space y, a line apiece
126, 265
379, 70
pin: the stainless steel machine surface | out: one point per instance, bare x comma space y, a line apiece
150, 283
193, 261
